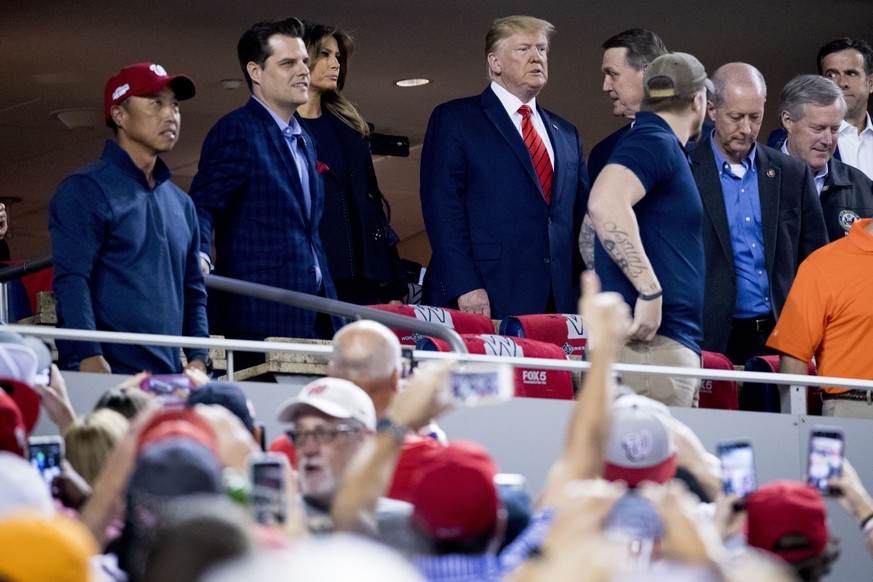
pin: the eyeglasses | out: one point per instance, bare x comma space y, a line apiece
322, 435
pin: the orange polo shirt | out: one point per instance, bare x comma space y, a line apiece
829, 310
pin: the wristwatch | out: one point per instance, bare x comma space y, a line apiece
207, 361
397, 432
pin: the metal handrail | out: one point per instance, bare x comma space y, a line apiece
792, 389
335, 307
17, 271
537, 363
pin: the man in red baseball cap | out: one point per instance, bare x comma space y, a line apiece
789, 519
124, 237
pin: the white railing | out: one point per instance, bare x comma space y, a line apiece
791, 386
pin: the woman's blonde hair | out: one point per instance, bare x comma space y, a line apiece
91, 439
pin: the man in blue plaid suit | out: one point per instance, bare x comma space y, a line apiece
258, 190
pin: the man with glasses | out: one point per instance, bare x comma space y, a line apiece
330, 420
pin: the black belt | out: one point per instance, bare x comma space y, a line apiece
758, 324
857, 395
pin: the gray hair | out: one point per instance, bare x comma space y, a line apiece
805, 90
742, 74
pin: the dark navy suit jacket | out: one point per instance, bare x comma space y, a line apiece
486, 218
247, 191
791, 221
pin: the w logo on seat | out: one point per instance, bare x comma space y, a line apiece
496, 345
575, 327
433, 315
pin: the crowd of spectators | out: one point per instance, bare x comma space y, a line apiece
167, 478
173, 492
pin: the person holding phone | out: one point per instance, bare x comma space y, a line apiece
854, 498
789, 519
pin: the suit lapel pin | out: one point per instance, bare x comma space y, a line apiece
771, 173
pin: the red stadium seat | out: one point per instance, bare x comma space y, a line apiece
721, 394
460, 321
566, 331
529, 382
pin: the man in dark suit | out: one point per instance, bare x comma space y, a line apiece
504, 187
626, 56
761, 218
258, 190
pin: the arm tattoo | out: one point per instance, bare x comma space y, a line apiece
623, 251
586, 242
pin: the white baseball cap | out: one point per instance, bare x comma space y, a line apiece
334, 397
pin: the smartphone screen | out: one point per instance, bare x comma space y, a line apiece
737, 467
46, 454
825, 457
268, 490
480, 386
170, 390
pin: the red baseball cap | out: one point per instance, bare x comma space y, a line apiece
181, 423
13, 433
18, 366
787, 518
455, 497
143, 79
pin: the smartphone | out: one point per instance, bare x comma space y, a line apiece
510, 482
262, 436
408, 362
481, 385
43, 377
170, 390
46, 454
269, 499
634, 522
737, 467
826, 449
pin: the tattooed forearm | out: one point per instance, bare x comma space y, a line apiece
623, 251
586, 242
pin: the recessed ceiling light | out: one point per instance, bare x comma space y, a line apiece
76, 119
231, 84
411, 82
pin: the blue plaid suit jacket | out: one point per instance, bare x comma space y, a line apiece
247, 192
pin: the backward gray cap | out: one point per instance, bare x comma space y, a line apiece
685, 73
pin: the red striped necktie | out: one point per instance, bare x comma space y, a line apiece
538, 152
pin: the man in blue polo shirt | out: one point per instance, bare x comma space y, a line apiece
647, 212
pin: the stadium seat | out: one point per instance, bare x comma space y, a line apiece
765, 397
529, 382
460, 321
721, 394
563, 330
